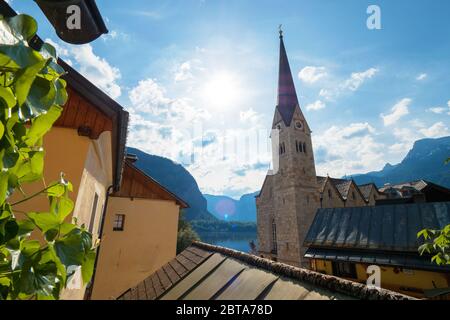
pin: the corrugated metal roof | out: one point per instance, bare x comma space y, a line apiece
204, 272
390, 227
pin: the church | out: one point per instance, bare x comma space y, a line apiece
289, 198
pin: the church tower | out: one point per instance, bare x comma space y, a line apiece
290, 196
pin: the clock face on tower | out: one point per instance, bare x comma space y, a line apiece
298, 124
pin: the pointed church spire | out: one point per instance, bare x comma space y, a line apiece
287, 96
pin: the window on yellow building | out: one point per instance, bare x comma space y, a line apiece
119, 222
344, 269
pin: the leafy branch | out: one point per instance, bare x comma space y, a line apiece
39, 252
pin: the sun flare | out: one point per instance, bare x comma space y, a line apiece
222, 90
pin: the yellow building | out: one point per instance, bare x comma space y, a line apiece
344, 242
139, 234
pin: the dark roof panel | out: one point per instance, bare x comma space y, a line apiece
391, 227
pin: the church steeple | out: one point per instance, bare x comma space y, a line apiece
287, 96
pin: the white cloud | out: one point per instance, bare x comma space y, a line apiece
346, 150
148, 97
312, 74
94, 68
317, 105
352, 83
97, 69
421, 77
448, 103
358, 78
252, 117
183, 72
437, 130
399, 110
438, 110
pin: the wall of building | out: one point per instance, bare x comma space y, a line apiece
87, 165
407, 281
147, 242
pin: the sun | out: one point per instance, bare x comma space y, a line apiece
221, 90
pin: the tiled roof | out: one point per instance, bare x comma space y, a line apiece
344, 187
387, 229
365, 189
206, 272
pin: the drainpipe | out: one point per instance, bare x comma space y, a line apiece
88, 293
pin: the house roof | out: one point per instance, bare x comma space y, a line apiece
387, 229
366, 189
137, 184
207, 272
105, 106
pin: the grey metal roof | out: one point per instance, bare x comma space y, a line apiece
390, 227
207, 272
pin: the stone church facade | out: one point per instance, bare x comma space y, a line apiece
290, 197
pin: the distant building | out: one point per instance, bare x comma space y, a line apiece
290, 198
206, 272
344, 241
413, 192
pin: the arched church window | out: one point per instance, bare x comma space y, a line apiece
296, 145
353, 195
304, 147
300, 147
274, 236
329, 193
284, 147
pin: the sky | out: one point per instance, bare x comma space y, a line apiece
199, 78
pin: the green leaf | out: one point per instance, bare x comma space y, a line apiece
8, 97
70, 250
25, 228
44, 220
11, 230
42, 96
18, 56
38, 279
24, 81
10, 158
64, 208
49, 255
32, 169
48, 51
87, 268
3, 186
56, 190
42, 125
22, 26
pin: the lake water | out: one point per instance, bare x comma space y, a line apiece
237, 241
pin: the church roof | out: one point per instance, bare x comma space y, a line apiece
287, 95
207, 272
366, 188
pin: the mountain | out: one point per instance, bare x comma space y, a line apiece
424, 161
226, 208
176, 179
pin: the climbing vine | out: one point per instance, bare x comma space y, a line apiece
39, 251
